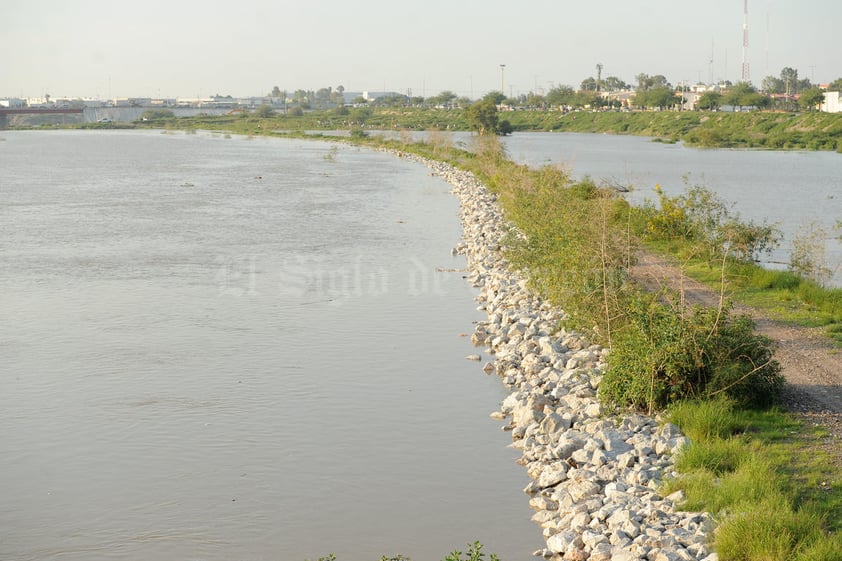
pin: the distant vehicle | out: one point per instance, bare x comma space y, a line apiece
104, 120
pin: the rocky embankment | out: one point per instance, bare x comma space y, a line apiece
595, 478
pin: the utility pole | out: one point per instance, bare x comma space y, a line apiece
710, 65
502, 79
598, 75
746, 77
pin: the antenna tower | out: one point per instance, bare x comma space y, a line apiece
710, 64
745, 75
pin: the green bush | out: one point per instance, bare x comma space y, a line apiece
474, 553
667, 355
700, 218
152, 114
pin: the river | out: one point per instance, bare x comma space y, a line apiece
795, 191
223, 348
789, 189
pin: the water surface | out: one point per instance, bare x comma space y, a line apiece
222, 348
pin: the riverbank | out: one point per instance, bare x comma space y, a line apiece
755, 129
595, 479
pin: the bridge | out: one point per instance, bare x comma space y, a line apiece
6, 111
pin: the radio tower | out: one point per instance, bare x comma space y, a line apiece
746, 75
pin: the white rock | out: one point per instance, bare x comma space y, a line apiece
552, 475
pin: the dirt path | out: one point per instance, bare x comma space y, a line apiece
811, 365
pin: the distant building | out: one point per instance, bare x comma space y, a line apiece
37, 102
689, 100
832, 103
12, 102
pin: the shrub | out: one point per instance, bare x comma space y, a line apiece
264, 111
474, 553
667, 355
701, 218
808, 258
152, 114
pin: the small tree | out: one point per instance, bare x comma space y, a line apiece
482, 116
588, 84
659, 97
264, 111
810, 99
561, 95
710, 101
494, 97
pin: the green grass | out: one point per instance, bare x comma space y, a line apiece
765, 478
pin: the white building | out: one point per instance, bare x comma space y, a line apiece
832, 103
12, 102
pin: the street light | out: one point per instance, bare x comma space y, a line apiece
502, 79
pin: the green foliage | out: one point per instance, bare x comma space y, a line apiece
494, 97
813, 131
474, 553
659, 97
152, 114
775, 495
717, 457
810, 99
770, 531
710, 101
361, 115
808, 256
575, 244
827, 549
264, 111
482, 116
706, 420
699, 217
669, 354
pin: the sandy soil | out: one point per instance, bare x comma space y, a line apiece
811, 365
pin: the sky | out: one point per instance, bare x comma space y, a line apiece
184, 48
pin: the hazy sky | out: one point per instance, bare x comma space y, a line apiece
182, 48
